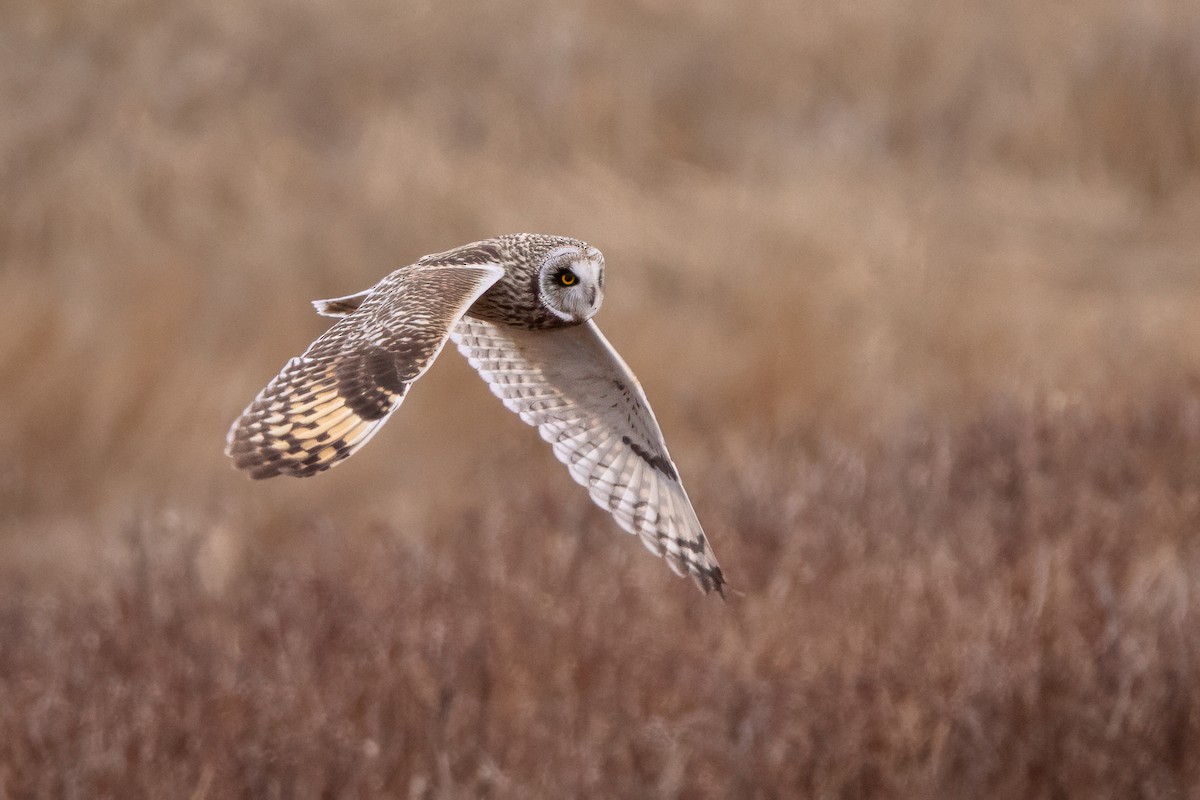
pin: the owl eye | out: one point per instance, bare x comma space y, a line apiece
567, 278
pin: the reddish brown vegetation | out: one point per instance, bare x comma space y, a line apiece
1002, 609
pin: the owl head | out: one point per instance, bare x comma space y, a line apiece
571, 282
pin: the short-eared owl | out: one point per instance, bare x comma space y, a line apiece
519, 308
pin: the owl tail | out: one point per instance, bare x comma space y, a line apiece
340, 306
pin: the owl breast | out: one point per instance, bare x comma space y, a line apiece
514, 303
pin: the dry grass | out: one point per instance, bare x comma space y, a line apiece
912, 284
1003, 609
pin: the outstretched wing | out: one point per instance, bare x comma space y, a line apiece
327, 403
572, 385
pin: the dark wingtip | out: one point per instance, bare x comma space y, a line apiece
256, 468
259, 469
710, 580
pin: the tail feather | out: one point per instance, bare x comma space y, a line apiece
340, 306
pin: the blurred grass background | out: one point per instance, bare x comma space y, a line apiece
854, 251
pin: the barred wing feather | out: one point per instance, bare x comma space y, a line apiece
327, 403
581, 396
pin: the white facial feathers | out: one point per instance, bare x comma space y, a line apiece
571, 283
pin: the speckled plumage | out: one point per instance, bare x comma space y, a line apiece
519, 308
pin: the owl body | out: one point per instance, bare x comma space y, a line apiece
519, 308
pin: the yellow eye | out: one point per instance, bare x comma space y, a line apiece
567, 278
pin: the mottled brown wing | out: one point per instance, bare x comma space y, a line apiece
324, 405
585, 401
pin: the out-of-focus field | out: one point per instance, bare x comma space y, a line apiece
914, 288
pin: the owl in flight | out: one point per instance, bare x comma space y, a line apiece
520, 309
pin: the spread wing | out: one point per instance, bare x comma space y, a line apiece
584, 400
327, 403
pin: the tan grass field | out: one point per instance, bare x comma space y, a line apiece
914, 288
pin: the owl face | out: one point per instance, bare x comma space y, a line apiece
571, 282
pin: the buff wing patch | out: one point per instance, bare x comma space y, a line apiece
327, 403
